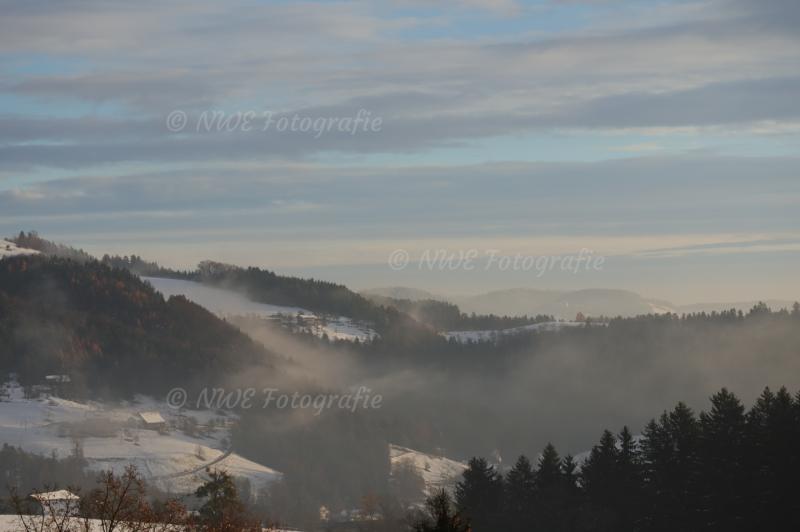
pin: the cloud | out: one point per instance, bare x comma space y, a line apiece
639, 147
409, 122
142, 62
501, 201
504, 7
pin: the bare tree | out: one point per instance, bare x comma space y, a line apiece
118, 499
118, 504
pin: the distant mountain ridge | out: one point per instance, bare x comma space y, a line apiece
267, 287
564, 304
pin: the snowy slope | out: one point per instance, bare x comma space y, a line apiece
491, 335
437, 471
173, 462
219, 301
9, 249
228, 303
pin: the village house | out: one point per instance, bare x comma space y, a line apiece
152, 420
59, 502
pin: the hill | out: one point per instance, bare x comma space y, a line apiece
111, 331
173, 460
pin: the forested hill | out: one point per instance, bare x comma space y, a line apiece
259, 285
110, 331
399, 319
268, 287
445, 316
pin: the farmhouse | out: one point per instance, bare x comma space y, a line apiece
152, 420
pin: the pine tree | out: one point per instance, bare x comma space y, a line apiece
630, 482
550, 495
669, 453
222, 509
722, 463
773, 438
548, 473
479, 496
519, 496
572, 497
600, 480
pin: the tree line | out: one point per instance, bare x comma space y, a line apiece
445, 316
726, 469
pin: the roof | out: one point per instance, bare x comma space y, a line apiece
151, 417
60, 495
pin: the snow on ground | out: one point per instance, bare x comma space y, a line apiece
660, 309
111, 439
491, 335
437, 471
13, 523
341, 328
228, 303
9, 249
218, 300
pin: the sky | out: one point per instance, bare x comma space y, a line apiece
660, 135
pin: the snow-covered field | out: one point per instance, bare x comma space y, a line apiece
13, 523
9, 249
491, 335
437, 471
228, 303
111, 439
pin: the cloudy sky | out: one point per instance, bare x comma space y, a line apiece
662, 135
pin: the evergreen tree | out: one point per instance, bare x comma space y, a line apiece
630, 482
773, 437
669, 451
479, 496
550, 493
600, 480
722, 463
519, 496
222, 499
572, 493
441, 517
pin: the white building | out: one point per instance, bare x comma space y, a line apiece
152, 420
57, 502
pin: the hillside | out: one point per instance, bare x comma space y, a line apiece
10, 249
111, 331
437, 472
226, 303
109, 437
358, 316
